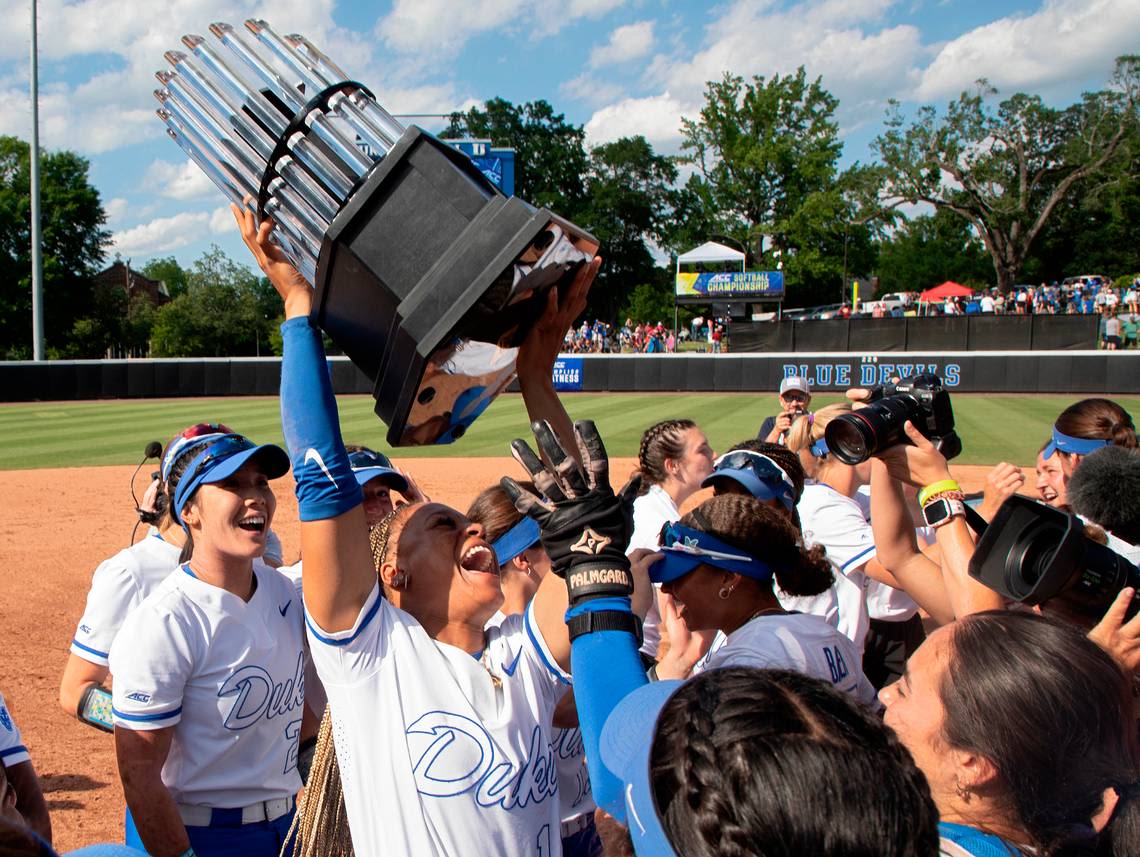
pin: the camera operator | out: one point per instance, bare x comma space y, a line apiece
795, 399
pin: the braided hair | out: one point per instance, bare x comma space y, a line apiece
664, 440
817, 774
321, 822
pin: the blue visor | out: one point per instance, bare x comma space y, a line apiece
175, 448
1072, 445
685, 548
219, 460
625, 747
368, 465
820, 448
514, 541
763, 478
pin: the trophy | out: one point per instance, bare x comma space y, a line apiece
425, 274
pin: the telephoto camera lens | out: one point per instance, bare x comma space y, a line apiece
855, 437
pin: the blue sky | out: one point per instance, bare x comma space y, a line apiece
618, 67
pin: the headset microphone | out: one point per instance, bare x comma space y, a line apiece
146, 516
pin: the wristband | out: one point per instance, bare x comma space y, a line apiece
936, 488
945, 495
603, 620
95, 708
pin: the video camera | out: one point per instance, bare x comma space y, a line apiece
1038, 555
855, 437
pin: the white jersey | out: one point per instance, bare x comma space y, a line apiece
12, 749
119, 586
575, 795
797, 642
435, 758
651, 511
227, 675
836, 522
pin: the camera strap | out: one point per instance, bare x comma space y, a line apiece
976, 522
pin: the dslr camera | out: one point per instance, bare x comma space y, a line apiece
855, 437
1038, 555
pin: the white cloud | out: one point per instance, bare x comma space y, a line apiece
161, 235
222, 221
591, 90
1064, 42
439, 28
116, 210
181, 181
657, 118
630, 42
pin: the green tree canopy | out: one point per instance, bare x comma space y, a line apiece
225, 310
73, 242
550, 155
1006, 170
930, 249
766, 154
629, 203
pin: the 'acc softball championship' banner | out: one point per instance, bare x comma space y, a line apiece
737, 285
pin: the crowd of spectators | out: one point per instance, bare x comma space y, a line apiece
600, 337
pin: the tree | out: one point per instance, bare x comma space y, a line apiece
72, 239
629, 203
167, 270
550, 156
766, 155
930, 249
1005, 171
225, 310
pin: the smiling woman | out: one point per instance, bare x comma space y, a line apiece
209, 669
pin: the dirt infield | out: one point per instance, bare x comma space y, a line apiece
55, 527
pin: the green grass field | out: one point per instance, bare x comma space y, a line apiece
71, 434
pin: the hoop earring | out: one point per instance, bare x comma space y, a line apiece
724, 593
399, 579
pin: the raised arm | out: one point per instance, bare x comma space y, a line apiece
920, 464
540, 349
339, 574
585, 528
897, 549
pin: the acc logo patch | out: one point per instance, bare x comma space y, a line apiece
5, 718
590, 542
139, 696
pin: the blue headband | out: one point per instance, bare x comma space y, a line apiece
1073, 445
820, 448
517, 539
685, 548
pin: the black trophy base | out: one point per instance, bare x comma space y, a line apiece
429, 279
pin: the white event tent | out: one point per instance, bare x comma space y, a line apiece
710, 251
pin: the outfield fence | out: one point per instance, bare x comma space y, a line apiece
1079, 372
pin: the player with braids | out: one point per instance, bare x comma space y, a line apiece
720, 564
442, 727
712, 779
673, 460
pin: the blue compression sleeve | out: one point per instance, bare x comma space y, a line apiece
326, 485
606, 666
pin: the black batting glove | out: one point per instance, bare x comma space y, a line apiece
585, 527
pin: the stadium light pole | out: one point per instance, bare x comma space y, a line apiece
34, 159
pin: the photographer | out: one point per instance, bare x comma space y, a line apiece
795, 399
